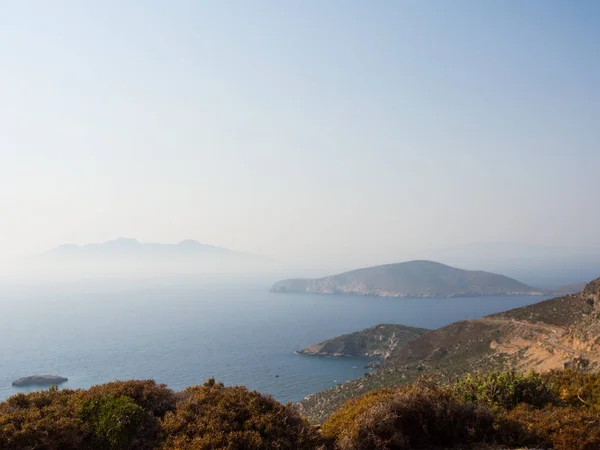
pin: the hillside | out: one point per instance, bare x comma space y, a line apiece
555, 333
409, 279
378, 341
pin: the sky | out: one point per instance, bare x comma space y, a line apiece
338, 133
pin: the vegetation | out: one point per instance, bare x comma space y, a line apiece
561, 428
213, 417
417, 416
345, 419
559, 311
559, 409
556, 410
118, 422
506, 390
145, 415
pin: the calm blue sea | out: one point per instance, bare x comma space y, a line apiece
181, 333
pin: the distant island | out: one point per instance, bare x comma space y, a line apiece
378, 341
127, 256
410, 279
39, 380
128, 248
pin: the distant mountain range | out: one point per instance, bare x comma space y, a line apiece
124, 256
126, 247
410, 279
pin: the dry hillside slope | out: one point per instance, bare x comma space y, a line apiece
555, 333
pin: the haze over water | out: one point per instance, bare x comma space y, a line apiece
180, 332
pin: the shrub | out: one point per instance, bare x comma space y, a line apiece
346, 418
560, 409
118, 423
144, 415
506, 389
418, 416
41, 420
213, 416
123, 414
576, 388
152, 397
563, 428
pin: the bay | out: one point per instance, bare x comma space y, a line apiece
182, 332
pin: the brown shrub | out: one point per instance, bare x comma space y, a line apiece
418, 416
428, 413
345, 418
563, 428
213, 416
42, 420
136, 414
576, 388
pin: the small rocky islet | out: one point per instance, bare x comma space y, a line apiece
39, 380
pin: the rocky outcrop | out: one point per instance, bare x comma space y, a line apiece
39, 380
375, 342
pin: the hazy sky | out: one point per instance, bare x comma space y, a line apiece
322, 131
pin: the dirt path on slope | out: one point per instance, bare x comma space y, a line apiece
556, 333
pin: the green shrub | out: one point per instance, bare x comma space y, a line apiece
506, 389
118, 423
154, 398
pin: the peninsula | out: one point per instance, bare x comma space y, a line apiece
378, 341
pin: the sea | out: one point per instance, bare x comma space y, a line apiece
183, 332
